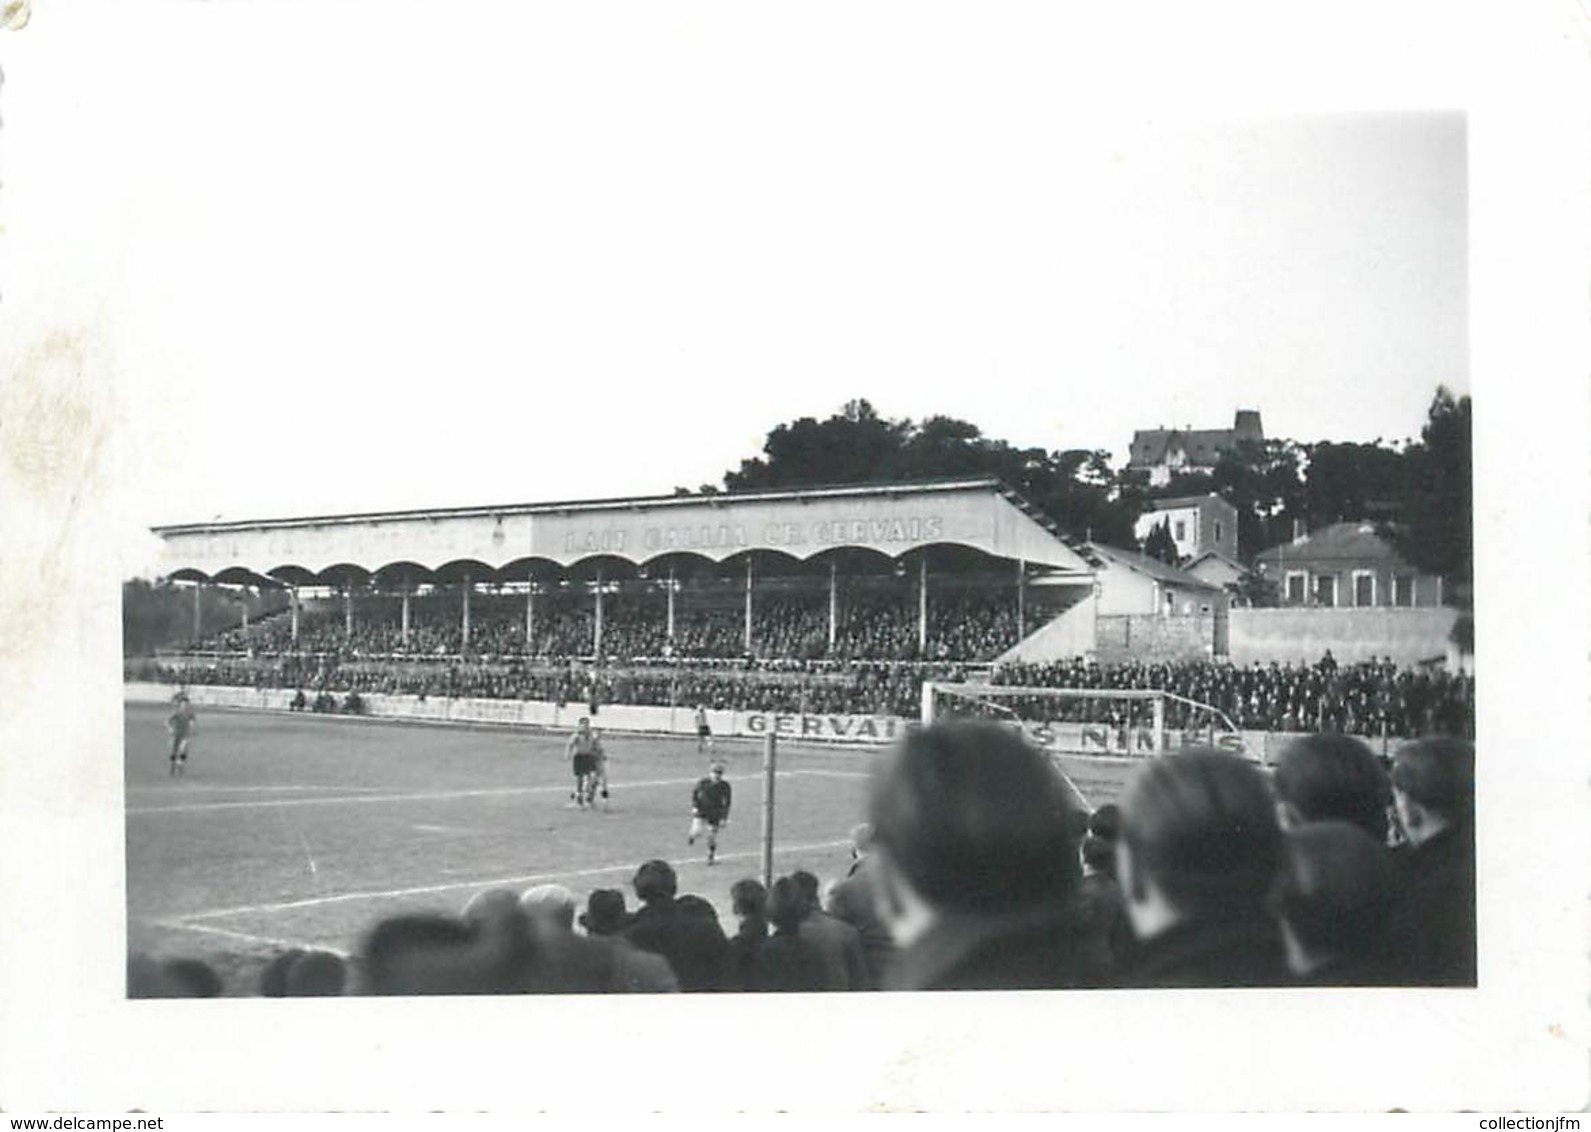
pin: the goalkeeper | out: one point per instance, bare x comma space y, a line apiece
710, 802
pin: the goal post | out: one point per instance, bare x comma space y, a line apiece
1103, 722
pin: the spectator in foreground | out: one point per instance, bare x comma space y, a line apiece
1331, 777
193, 978
1100, 903
316, 974
1335, 893
852, 900
273, 979
429, 954
1199, 853
172, 978
1105, 824
694, 946
1431, 938
975, 841
635, 971
790, 961
840, 945
749, 902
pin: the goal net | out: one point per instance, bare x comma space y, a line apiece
1122, 723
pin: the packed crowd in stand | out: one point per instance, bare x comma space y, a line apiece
880, 623
1374, 698
979, 868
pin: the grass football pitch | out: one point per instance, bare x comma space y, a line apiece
303, 830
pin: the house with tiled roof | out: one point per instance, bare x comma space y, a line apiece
1147, 610
1346, 565
1129, 582
1217, 569
1199, 524
1164, 452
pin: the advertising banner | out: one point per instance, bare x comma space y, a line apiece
826, 728
1099, 739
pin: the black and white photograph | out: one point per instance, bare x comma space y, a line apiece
847, 558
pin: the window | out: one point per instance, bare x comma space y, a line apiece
1181, 533
1364, 588
1326, 589
1403, 589
1218, 530
1297, 581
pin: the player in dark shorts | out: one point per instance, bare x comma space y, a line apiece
584, 752
182, 726
710, 802
600, 775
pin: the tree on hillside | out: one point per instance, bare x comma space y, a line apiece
1160, 545
1434, 529
856, 445
1349, 482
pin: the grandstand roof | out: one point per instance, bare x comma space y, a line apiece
502, 542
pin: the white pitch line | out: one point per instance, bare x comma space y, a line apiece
490, 882
440, 795
188, 789
248, 937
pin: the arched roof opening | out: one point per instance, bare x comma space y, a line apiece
534, 568
610, 567
343, 574
292, 575
460, 570
396, 575
242, 576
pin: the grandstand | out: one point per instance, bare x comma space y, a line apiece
953, 569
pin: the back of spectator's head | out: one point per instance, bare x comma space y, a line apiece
549, 906
605, 913
697, 907
807, 885
1105, 822
787, 907
192, 978
1201, 825
976, 819
749, 899
427, 954
1438, 775
148, 978
1332, 777
273, 979
316, 974
492, 906
1099, 855
1335, 891
655, 880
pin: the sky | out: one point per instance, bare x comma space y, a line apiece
556, 254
